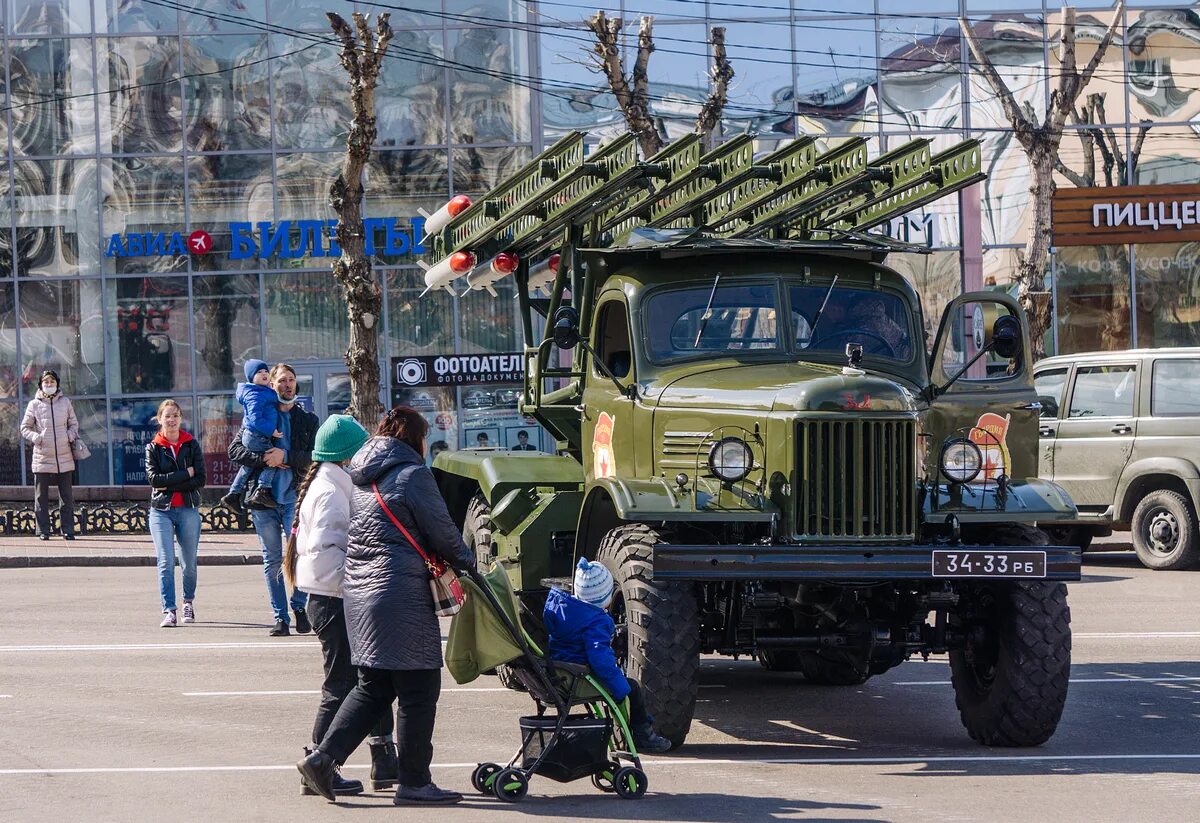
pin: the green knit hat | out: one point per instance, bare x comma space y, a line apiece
338, 439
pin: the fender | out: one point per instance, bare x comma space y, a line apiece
657, 500
1026, 501
1178, 467
460, 474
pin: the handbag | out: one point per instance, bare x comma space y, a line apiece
79, 450
448, 595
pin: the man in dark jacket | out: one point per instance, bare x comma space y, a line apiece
274, 525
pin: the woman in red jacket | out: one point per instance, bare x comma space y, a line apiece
175, 472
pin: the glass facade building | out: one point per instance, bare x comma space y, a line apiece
163, 201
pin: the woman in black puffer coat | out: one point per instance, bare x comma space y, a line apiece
395, 639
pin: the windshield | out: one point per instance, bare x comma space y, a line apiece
876, 320
744, 319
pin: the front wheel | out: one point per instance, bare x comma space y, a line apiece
658, 630
1010, 679
1164, 531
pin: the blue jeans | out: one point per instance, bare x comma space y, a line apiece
180, 525
257, 443
271, 525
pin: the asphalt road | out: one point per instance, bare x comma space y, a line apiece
106, 717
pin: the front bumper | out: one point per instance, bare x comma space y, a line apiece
839, 564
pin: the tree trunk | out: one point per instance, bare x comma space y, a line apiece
1031, 274
364, 298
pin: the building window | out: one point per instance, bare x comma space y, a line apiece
148, 327
61, 329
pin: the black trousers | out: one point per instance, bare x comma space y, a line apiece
417, 692
42, 481
329, 623
637, 706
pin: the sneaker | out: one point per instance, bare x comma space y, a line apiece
168, 621
302, 624
189, 613
280, 630
428, 794
649, 741
233, 501
260, 499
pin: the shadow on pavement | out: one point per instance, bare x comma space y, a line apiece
665, 806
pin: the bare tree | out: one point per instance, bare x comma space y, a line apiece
633, 93
1041, 142
361, 58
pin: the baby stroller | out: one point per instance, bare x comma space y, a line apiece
579, 730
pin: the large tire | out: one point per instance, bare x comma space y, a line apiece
1078, 536
477, 534
662, 629
1165, 531
1011, 680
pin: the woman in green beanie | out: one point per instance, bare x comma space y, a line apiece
313, 562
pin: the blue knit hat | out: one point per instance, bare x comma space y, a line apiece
593, 583
338, 439
253, 367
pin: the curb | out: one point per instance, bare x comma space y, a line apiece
47, 562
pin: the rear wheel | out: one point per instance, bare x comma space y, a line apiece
1011, 674
658, 636
1165, 532
477, 534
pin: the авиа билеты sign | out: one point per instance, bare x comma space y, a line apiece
286, 239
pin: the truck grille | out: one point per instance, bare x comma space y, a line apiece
857, 478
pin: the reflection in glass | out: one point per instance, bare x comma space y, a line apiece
921, 79
1168, 294
148, 335
477, 170
305, 316
61, 329
51, 83
486, 323
133, 426
937, 278
220, 418
142, 196
574, 98
55, 203
141, 105
1092, 298
227, 329
229, 188
93, 431
304, 181
679, 76
49, 16
135, 16
10, 443
312, 108
486, 104
1168, 156
1015, 46
836, 93
410, 101
8, 342
418, 325
761, 98
222, 15
226, 93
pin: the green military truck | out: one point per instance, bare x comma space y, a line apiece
755, 434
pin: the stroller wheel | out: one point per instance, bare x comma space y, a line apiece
630, 783
603, 779
483, 777
510, 785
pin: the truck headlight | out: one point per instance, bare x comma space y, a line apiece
730, 459
961, 460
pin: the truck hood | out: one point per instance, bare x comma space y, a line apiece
786, 387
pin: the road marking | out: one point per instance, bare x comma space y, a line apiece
5, 696
117, 647
1132, 635
1073, 680
662, 761
313, 691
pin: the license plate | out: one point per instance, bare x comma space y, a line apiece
988, 563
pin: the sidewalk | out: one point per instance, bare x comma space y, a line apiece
27, 551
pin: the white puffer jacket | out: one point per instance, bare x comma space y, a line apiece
50, 425
323, 530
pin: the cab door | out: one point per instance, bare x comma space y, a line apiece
609, 441
1095, 437
993, 404
1051, 385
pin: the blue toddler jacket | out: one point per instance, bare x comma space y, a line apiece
582, 633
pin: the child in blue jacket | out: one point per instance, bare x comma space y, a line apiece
260, 425
581, 632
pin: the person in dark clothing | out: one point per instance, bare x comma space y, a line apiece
394, 635
273, 525
175, 472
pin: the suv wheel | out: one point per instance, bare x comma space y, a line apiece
1080, 536
1164, 531
658, 629
1011, 674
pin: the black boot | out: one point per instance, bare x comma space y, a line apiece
341, 786
385, 766
319, 770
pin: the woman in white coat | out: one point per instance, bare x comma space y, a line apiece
51, 427
313, 562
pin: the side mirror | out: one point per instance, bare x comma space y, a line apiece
566, 328
1049, 406
1006, 337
